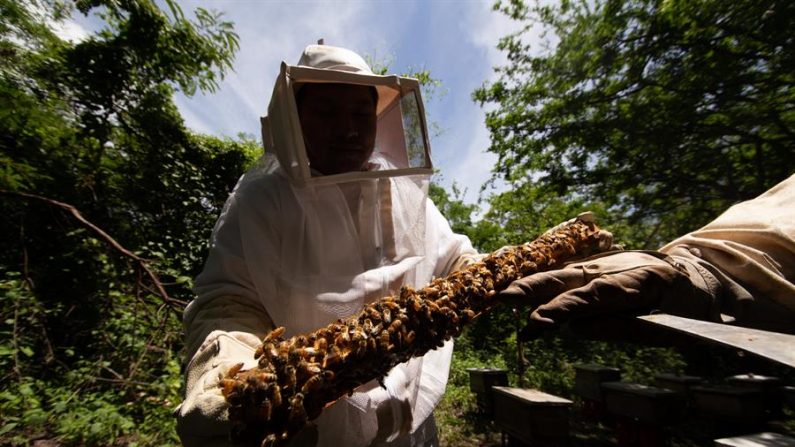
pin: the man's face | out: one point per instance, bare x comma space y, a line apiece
339, 126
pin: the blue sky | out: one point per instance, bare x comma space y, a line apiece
455, 40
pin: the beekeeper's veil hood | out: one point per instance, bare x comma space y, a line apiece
401, 146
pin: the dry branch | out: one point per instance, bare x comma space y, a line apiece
300, 376
140, 262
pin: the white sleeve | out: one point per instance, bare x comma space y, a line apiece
752, 249
453, 250
223, 327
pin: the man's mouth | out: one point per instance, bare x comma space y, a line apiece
348, 148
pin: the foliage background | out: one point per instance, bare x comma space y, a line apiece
655, 114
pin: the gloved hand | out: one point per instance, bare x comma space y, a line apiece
616, 282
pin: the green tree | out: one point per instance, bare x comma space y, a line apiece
664, 111
656, 114
95, 158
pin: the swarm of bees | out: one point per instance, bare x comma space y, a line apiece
299, 376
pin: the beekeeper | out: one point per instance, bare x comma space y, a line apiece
335, 215
739, 268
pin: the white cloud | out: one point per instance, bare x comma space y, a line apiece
487, 28
269, 33
69, 30
465, 159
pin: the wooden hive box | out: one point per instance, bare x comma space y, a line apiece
648, 404
532, 416
589, 377
729, 403
789, 395
481, 381
677, 382
768, 386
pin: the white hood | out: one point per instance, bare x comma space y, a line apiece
402, 136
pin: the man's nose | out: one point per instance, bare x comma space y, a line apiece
348, 126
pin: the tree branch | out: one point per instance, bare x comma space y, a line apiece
141, 263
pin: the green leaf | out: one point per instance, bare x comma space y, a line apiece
8, 427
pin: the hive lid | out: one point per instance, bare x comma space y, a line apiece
532, 396
638, 389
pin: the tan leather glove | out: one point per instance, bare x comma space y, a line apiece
632, 282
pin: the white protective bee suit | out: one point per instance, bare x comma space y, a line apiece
296, 249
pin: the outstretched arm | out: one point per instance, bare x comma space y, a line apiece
742, 264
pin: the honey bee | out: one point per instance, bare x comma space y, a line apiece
308, 369
276, 395
298, 415
252, 381
410, 337
450, 315
304, 352
289, 376
372, 313
232, 372
386, 315
372, 345
445, 301
266, 351
333, 357
390, 304
265, 409
395, 326
361, 346
359, 334
283, 349
312, 384
342, 338
274, 334
300, 341
321, 345
384, 341
228, 386
431, 292
311, 339
528, 266
416, 304
326, 332
424, 309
